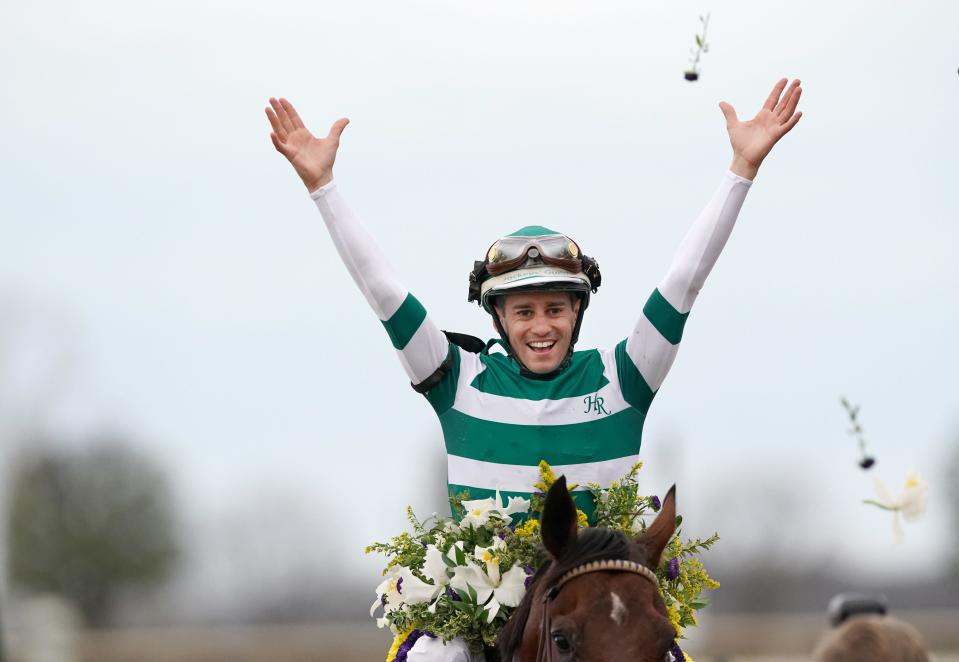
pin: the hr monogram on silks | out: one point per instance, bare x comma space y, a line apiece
595, 403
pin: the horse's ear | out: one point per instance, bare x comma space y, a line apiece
661, 530
558, 525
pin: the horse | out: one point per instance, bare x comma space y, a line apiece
596, 598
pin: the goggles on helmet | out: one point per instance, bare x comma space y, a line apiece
533, 258
510, 253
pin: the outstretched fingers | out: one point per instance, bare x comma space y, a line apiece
294, 116
275, 123
728, 112
337, 129
786, 110
282, 116
787, 98
789, 107
773, 97
281, 147
787, 127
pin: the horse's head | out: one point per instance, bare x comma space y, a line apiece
600, 615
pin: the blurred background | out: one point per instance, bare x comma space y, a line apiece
202, 424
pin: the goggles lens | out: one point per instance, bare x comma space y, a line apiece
510, 248
512, 252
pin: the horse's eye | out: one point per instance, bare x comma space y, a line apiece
561, 641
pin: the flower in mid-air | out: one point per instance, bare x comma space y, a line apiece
910, 502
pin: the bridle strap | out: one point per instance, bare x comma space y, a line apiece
544, 651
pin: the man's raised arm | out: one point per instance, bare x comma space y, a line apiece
655, 340
421, 346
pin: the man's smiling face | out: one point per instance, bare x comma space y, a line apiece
539, 326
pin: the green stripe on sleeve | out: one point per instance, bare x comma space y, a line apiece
405, 321
606, 438
635, 389
667, 320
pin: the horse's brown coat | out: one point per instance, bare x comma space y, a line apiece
580, 614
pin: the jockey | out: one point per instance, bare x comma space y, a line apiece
526, 396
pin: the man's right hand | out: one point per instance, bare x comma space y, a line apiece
311, 157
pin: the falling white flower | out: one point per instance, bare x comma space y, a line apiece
910, 502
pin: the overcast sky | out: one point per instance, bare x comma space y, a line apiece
154, 241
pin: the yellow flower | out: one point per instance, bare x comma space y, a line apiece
582, 519
528, 528
673, 614
546, 477
397, 642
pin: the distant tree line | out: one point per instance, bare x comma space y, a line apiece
88, 524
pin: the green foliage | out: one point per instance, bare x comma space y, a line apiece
86, 525
701, 47
855, 429
683, 593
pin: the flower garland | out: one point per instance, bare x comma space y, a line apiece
463, 579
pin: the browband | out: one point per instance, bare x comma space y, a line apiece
617, 565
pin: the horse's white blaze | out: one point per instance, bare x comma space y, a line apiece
619, 611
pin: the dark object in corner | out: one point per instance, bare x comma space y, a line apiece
844, 605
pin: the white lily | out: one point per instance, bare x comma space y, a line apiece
512, 587
488, 556
435, 567
400, 586
910, 502
516, 505
414, 590
478, 511
387, 593
507, 590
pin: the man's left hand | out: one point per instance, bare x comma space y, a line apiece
753, 139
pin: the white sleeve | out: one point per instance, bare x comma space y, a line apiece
653, 344
420, 344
